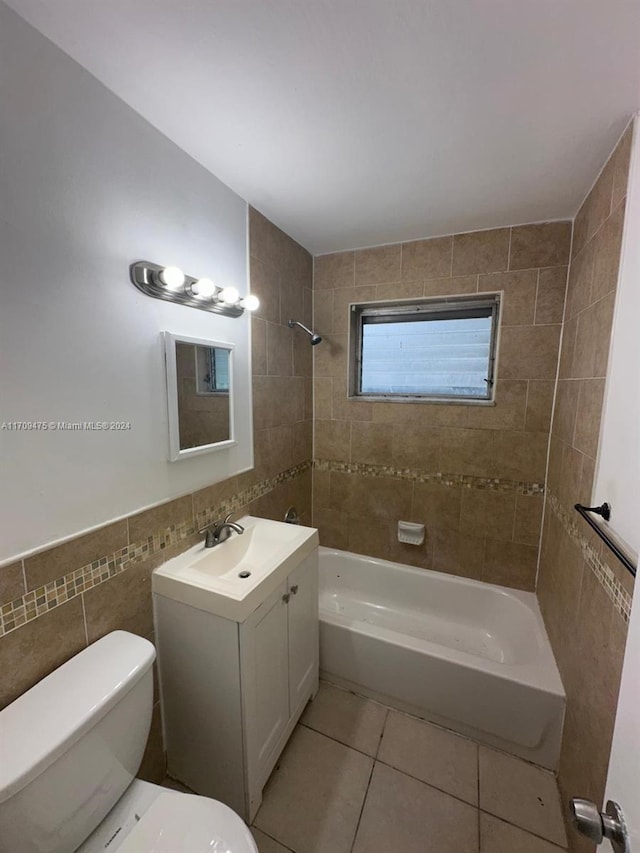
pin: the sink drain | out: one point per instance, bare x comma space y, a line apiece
244, 574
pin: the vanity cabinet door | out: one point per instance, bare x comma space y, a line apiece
303, 632
265, 677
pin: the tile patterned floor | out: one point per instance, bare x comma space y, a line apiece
357, 777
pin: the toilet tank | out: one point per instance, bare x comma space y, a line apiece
71, 745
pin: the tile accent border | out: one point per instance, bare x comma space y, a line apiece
619, 596
460, 480
39, 601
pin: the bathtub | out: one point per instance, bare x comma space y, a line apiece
464, 654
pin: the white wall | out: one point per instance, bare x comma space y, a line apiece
87, 187
618, 474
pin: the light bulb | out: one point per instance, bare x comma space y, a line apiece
172, 277
229, 295
203, 288
251, 302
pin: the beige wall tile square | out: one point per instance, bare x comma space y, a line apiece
485, 512
602, 330
508, 411
281, 447
579, 282
323, 311
353, 720
436, 506
56, 562
302, 442
401, 813
564, 418
570, 477
584, 353
545, 244
151, 521
330, 357
332, 271
539, 406
35, 649
569, 332
323, 398
321, 489
332, 440
370, 537
291, 297
528, 352
481, 251
520, 455
212, 496
378, 265
383, 497
519, 301
427, 258
279, 350
606, 254
451, 286
496, 836
588, 416
415, 447
265, 284
510, 564
521, 793
302, 356
552, 285
458, 553
621, 160
11, 582
467, 451
266, 241
401, 290
371, 443
121, 604
313, 799
598, 202
341, 301
528, 519
333, 528
349, 409
432, 755
258, 346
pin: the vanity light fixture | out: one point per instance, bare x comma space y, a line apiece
171, 284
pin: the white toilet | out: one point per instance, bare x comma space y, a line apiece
69, 751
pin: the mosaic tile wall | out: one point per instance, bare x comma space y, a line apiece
584, 592
473, 475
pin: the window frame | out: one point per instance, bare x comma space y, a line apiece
447, 306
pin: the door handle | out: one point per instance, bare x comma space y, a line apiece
597, 825
286, 597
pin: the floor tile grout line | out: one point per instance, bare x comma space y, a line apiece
558, 847
364, 802
273, 838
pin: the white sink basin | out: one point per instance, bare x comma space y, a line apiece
235, 577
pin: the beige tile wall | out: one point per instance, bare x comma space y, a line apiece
586, 630
71, 595
469, 473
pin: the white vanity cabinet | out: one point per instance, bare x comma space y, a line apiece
231, 691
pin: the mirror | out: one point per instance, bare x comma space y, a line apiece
199, 392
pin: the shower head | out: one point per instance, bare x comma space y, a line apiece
315, 339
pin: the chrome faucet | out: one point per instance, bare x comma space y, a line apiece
219, 531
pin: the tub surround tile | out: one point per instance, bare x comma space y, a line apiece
378, 265
522, 794
481, 251
431, 754
122, 604
510, 564
353, 720
550, 296
312, 801
519, 301
371, 538
496, 836
401, 813
542, 245
334, 271
265, 284
539, 406
529, 352
427, 259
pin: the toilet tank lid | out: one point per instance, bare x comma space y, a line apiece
48, 719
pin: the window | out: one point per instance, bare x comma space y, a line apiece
212, 370
442, 349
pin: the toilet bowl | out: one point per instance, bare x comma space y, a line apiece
71, 747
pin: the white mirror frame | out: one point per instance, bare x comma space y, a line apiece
171, 373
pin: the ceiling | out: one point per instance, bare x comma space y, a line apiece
357, 122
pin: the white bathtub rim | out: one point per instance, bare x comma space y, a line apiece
529, 675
